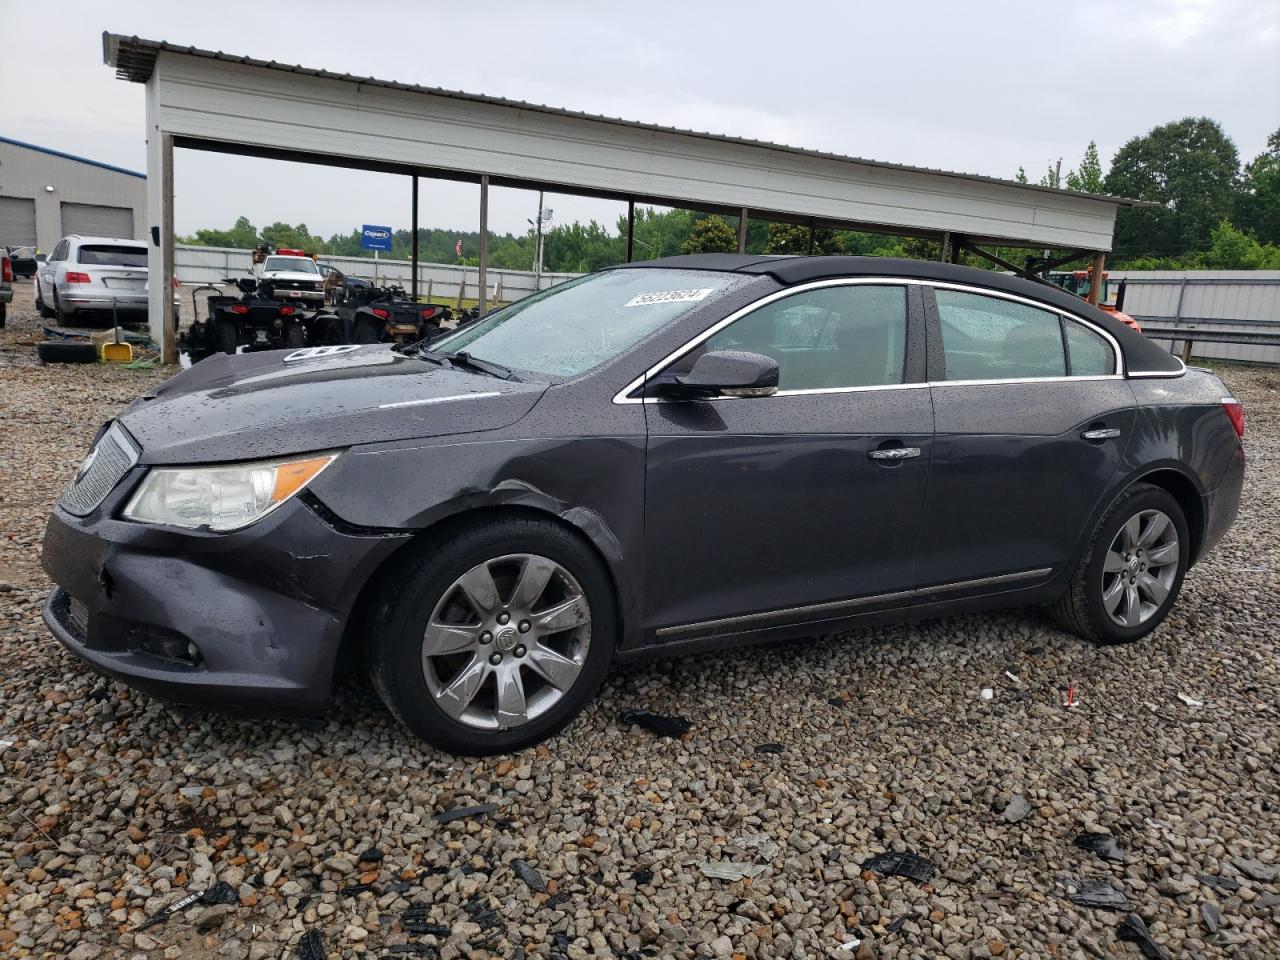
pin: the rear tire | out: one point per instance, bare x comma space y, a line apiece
295, 336
366, 332
226, 335
1132, 571
60, 317
560, 572
4, 309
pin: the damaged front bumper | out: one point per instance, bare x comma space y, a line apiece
248, 622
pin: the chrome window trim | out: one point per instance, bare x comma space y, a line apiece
622, 396
1148, 374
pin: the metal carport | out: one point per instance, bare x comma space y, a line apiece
210, 100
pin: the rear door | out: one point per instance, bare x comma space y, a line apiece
1032, 418
767, 511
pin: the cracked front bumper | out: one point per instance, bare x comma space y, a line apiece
264, 609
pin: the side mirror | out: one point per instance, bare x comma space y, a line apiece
726, 373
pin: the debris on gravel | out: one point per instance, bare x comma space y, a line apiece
662, 726
114, 805
1101, 894
1103, 844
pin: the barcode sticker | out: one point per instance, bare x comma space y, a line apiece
668, 296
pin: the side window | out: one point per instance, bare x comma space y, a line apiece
60, 251
1090, 355
987, 338
849, 336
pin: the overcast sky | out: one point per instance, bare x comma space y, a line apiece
975, 87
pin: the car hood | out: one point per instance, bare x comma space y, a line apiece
274, 403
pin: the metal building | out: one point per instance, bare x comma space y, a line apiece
46, 194
209, 100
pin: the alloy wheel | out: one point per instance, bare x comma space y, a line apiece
506, 641
1140, 568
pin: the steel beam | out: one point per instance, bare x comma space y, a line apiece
484, 244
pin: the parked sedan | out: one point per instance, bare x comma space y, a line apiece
650, 460
87, 278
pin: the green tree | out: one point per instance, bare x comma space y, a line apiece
1233, 249
283, 235
1190, 169
711, 234
1088, 177
1258, 203
243, 234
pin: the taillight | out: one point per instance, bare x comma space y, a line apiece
286, 311
381, 314
6, 270
428, 313
239, 308
75, 277
1234, 410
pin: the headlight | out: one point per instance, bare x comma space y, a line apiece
223, 497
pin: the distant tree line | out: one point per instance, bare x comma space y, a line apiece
1209, 212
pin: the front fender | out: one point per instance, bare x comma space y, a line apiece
594, 484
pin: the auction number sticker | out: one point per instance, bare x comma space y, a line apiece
668, 296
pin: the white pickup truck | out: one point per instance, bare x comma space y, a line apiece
293, 278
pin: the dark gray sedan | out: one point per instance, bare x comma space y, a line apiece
654, 459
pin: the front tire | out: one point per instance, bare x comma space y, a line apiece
226, 335
495, 638
41, 306
1131, 574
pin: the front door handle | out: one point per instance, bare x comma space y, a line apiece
1102, 433
894, 453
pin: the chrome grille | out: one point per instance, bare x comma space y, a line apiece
107, 463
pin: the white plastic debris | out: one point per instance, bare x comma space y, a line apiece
1012, 676
988, 693
1190, 701
850, 945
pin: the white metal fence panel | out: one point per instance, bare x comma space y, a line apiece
442, 282
1240, 301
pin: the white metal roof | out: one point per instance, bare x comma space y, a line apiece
215, 100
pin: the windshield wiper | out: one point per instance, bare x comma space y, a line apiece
425, 353
464, 359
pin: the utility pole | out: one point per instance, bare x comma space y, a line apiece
537, 262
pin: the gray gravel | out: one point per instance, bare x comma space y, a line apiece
112, 805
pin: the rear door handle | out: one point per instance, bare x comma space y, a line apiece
894, 453
1102, 433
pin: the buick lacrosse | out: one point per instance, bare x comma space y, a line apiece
653, 459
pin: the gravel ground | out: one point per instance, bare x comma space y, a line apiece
112, 805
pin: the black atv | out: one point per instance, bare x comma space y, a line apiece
257, 320
369, 314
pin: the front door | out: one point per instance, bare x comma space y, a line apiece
768, 511
1032, 420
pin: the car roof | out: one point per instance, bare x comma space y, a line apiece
1140, 353
129, 241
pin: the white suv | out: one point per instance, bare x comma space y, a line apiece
88, 275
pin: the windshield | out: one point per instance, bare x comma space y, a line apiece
291, 264
573, 327
113, 256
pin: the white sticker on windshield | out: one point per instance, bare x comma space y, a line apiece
668, 296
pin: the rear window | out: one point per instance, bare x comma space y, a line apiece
109, 255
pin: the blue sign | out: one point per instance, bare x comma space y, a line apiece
375, 238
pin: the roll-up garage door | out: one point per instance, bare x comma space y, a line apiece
17, 222
89, 220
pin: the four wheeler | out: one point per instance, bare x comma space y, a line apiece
369, 314
257, 320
